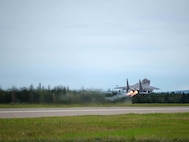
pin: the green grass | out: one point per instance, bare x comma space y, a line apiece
85, 105
130, 127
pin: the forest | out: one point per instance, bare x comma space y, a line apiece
63, 95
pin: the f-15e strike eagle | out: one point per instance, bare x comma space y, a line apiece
138, 88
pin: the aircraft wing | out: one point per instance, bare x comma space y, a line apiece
134, 87
149, 87
123, 88
137, 87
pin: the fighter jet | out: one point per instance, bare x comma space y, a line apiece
138, 88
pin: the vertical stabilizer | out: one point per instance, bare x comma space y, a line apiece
127, 86
140, 86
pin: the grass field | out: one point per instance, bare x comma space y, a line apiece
130, 127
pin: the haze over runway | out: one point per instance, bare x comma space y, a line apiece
44, 112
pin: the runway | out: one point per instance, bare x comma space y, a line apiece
76, 111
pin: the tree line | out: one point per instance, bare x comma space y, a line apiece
57, 95
63, 95
162, 98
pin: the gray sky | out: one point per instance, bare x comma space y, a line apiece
94, 43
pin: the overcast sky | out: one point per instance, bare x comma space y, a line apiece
94, 43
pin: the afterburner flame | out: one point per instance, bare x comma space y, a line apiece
132, 93
135, 92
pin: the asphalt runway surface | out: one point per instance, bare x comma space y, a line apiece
76, 111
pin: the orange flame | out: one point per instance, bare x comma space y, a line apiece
132, 93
